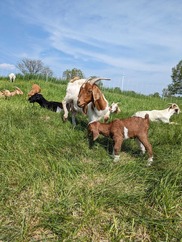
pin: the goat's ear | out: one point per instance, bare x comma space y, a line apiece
96, 93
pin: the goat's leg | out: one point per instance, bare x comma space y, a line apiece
141, 146
117, 146
144, 140
65, 116
73, 117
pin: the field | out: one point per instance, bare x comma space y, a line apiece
55, 188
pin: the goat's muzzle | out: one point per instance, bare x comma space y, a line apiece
81, 105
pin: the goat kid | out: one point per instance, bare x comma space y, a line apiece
35, 89
74, 92
7, 93
160, 115
121, 129
51, 105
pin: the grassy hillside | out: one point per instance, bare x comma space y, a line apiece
54, 188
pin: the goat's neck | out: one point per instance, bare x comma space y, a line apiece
13, 93
42, 102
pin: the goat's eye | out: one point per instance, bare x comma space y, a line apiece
89, 91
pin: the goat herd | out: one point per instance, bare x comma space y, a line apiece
85, 96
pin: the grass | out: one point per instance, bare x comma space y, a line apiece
54, 188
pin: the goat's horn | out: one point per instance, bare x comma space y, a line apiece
96, 79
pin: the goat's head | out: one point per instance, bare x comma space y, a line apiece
86, 94
19, 91
89, 92
36, 97
175, 108
114, 108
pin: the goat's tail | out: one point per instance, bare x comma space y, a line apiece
147, 118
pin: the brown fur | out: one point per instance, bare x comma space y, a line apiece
91, 93
35, 89
137, 128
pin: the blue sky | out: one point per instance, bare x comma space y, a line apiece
135, 43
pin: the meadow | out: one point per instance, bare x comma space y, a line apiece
55, 188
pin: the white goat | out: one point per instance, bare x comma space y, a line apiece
12, 77
160, 115
93, 111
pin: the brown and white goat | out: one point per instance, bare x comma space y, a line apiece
95, 107
35, 89
120, 129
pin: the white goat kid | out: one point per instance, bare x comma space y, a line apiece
160, 115
12, 77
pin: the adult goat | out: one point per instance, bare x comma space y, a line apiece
12, 77
95, 108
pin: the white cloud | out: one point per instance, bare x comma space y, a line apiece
5, 66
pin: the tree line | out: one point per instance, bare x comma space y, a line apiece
31, 68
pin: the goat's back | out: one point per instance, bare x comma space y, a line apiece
136, 124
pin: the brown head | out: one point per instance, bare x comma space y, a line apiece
89, 92
19, 91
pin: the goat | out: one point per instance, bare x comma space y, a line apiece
35, 89
7, 93
51, 105
120, 129
91, 95
160, 115
73, 94
12, 77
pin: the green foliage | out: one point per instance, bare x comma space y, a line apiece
70, 74
176, 86
55, 188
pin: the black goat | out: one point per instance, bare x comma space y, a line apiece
51, 105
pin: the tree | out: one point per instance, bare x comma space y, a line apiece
69, 74
176, 86
33, 67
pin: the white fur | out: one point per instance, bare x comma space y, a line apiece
59, 110
125, 133
160, 115
12, 77
71, 96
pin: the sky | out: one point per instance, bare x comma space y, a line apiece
135, 43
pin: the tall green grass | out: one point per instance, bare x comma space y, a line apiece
55, 188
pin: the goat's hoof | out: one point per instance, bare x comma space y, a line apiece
150, 161
64, 119
116, 158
